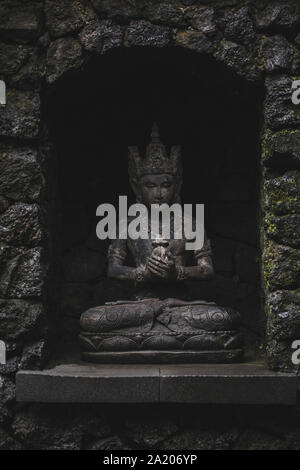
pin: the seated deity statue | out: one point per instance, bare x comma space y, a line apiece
160, 323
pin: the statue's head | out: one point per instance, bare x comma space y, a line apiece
157, 178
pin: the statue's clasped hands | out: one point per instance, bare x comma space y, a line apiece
162, 267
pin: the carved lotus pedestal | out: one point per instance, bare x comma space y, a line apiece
160, 331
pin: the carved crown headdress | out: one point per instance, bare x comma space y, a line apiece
156, 160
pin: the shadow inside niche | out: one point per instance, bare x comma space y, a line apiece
93, 116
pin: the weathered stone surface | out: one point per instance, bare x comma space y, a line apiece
278, 14
164, 12
20, 21
119, 9
279, 109
63, 55
194, 40
40, 428
67, 16
83, 265
22, 272
20, 320
10, 368
109, 443
7, 395
8, 443
4, 204
44, 432
44, 41
283, 308
276, 54
285, 229
281, 265
21, 225
35, 355
12, 58
100, 37
21, 115
149, 432
281, 150
238, 58
239, 26
286, 146
246, 263
279, 355
202, 19
200, 439
256, 439
297, 40
20, 174
144, 33
282, 194
30, 75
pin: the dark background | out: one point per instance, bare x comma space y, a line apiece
94, 115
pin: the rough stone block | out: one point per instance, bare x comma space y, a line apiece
276, 54
35, 355
21, 178
283, 309
194, 40
202, 19
279, 110
250, 383
7, 395
21, 225
21, 115
281, 266
22, 272
278, 14
20, 21
239, 27
143, 33
164, 12
285, 229
65, 17
282, 194
31, 74
19, 320
119, 9
201, 439
63, 55
12, 58
238, 58
100, 37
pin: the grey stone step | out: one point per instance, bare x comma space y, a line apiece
248, 383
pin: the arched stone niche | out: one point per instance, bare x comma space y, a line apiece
256, 42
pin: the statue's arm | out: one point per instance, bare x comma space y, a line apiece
204, 265
203, 270
116, 256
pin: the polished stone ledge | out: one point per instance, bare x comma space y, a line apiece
239, 384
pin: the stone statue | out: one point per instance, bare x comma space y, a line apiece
160, 324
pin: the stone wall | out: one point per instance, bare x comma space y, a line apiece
42, 41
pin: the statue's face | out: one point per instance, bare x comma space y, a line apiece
157, 189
